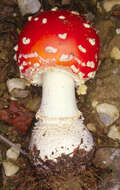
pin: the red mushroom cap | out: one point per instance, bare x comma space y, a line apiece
58, 39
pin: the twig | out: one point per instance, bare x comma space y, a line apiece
13, 145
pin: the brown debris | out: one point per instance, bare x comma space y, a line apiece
18, 116
65, 165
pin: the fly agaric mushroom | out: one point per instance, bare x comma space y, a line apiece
59, 49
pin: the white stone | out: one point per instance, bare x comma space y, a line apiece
9, 168
115, 187
114, 133
118, 31
12, 153
16, 83
115, 53
109, 4
28, 6
91, 127
108, 113
16, 88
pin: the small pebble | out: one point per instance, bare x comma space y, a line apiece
116, 187
9, 168
118, 31
12, 153
29, 6
91, 127
107, 113
114, 133
16, 83
16, 87
109, 4
108, 158
115, 53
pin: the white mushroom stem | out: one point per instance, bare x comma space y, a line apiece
29, 6
59, 129
58, 99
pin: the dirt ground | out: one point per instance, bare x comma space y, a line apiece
104, 88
